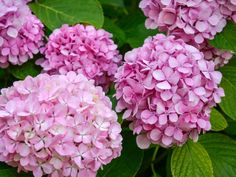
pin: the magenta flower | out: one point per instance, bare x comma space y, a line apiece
166, 89
82, 49
60, 125
197, 18
21, 33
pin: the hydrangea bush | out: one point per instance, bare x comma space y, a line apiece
117, 88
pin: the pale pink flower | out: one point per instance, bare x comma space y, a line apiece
82, 49
167, 89
21, 33
60, 125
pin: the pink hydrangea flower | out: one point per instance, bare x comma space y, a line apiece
228, 8
219, 56
197, 18
21, 33
60, 125
166, 89
82, 49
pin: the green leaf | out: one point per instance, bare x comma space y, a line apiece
146, 163
27, 69
128, 164
118, 33
2, 73
168, 165
54, 13
228, 82
232, 62
226, 39
136, 33
117, 3
222, 151
7, 171
191, 160
231, 129
218, 122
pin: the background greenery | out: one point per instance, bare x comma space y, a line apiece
214, 154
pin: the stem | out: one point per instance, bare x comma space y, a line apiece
153, 160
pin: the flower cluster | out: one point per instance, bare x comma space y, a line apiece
219, 56
60, 125
21, 33
82, 49
167, 89
228, 8
199, 19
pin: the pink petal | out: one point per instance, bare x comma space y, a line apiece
158, 75
178, 135
166, 140
23, 150
169, 131
173, 117
162, 119
12, 32
163, 85
142, 141
155, 134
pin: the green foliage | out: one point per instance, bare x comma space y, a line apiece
226, 39
191, 160
116, 3
118, 34
136, 35
128, 164
2, 72
218, 122
231, 129
229, 84
136, 32
27, 69
55, 13
6, 171
222, 151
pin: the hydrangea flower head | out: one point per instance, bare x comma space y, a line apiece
82, 49
60, 125
21, 33
166, 89
201, 19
